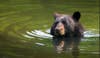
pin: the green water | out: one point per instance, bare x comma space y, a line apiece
19, 16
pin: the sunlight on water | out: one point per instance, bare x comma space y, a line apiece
90, 34
40, 44
41, 34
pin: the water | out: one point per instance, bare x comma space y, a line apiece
23, 24
89, 41
41, 34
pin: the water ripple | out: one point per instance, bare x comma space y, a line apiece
46, 34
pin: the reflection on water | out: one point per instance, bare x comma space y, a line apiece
14, 48
81, 52
40, 44
90, 34
75, 53
41, 34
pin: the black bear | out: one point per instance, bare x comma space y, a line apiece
67, 31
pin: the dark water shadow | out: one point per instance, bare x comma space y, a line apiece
75, 53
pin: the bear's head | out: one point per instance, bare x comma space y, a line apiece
65, 24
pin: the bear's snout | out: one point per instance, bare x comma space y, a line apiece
60, 28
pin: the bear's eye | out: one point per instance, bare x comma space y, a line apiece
63, 21
56, 23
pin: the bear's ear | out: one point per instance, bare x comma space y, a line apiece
56, 15
76, 15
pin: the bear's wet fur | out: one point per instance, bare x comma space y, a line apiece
67, 31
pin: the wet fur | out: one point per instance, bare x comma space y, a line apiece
73, 32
